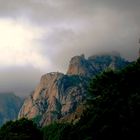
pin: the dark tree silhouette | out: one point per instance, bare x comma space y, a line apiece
22, 129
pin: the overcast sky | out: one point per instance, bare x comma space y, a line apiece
40, 36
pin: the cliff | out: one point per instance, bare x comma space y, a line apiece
56, 96
60, 97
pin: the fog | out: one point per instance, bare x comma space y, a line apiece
40, 36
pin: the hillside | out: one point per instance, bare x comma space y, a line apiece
113, 107
9, 107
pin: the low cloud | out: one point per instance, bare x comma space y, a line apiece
20, 80
44, 34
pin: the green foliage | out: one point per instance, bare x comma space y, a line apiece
20, 130
114, 104
56, 131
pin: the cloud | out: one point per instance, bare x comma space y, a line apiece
20, 80
107, 31
18, 46
45, 34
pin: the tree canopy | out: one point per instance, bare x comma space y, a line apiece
113, 106
22, 129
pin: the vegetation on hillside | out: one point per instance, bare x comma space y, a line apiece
114, 104
22, 129
56, 131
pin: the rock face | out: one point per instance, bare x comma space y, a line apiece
95, 64
9, 107
80, 66
56, 96
59, 97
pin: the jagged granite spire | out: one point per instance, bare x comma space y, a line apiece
59, 97
79, 65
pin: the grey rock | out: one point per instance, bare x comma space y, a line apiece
59, 96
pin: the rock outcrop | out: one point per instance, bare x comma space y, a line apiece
95, 64
9, 107
60, 97
56, 96
81, 66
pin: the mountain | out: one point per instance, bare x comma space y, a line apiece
95, 64
56, 96
10, 105
61, 97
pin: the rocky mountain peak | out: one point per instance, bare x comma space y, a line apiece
46, 82
79, 66
58, 97
76, 65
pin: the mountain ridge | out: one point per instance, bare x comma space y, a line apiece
59, 95
10, 105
